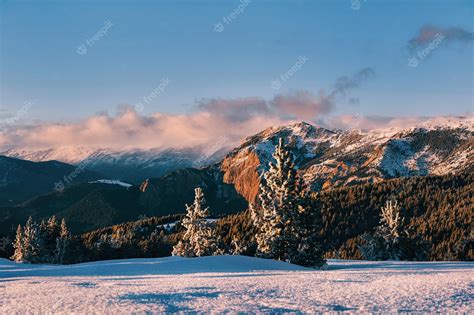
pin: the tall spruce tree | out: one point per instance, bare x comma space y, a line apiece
287, 228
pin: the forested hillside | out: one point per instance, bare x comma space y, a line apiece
439, 209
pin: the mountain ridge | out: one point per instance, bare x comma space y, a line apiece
326, 159
134, 164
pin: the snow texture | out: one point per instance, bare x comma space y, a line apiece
235, 284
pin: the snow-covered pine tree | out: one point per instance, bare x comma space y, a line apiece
19, 253
185, 246
392, 230
274, 215
52, 233
198, 239
370, 249
32, 242
384, 243
62, 243
287, 230
392, 239
54, 228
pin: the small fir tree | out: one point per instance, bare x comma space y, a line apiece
199, 238
392, 239
19, 252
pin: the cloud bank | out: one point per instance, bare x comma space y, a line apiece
229, 120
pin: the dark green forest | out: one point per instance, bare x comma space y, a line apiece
438, 209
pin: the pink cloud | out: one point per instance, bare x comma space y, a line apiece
129, 129
228, 119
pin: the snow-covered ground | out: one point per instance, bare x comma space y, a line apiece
235, 284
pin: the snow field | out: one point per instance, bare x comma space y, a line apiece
235, 284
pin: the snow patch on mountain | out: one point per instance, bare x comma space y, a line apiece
112, 182
329, 158
466, 123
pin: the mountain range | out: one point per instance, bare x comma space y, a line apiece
129, 165
325, 158
21, 180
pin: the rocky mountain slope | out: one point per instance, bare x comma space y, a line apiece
334, 158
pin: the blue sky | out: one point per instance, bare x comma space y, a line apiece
152, 40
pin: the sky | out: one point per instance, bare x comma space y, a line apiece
75, 66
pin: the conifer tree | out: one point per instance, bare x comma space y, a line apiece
19, 253
287, 229
51, 235
198, 239
45, 249
32, 242
62, 242
54, 228
392, 239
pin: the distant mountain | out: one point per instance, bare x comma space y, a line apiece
93, 205
50, 204
22, 180
132, 165
328, 158
325, 158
